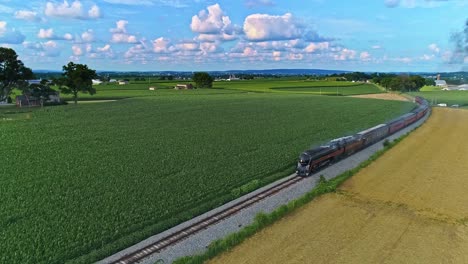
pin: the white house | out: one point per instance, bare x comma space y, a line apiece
34, 81
441, 83
96, 82
123, 82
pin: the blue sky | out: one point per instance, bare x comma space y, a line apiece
158, 35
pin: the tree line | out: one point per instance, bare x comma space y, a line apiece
390, 81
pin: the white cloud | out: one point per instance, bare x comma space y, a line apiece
365, 56
44, 49
77, 50
120, 34
10, 36
426, 57
276, 55
73, 10
27, 15
263, 27
94, 12
87, 36
376, 47
295, 56
345, 54
312, 47
214, 25
46, 33
68, 36
434, 48
161, 45
106, 48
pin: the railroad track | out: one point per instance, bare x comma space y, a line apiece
186, 232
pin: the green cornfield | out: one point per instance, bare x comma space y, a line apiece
78, 183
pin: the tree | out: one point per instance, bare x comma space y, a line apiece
77, 78
203, 80
13, 73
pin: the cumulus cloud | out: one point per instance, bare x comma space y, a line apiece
434, 48
214, 25
313, 47
10, 36
87, 36
27, 15
44, 49
120, 34
345, 54
46, 33
77, 50
49, 34
68, 36
263, 27
161, 45
73, 10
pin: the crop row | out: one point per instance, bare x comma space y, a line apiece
78, 183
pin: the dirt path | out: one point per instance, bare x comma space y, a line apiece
411, 206
383, 96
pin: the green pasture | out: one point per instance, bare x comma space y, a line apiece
78, 183
334, 90
299, 86
447, 97
428, 88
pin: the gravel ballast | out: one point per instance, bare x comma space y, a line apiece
197, 243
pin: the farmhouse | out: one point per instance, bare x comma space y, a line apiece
441, 83
183, 86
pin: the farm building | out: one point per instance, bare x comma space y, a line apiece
123, 82
96, 82
34, 81
441, 83
183, 86
29, 101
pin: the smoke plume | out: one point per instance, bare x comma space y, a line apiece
460, 53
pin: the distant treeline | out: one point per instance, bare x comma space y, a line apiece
389, 81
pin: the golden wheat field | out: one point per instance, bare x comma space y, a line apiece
410, 206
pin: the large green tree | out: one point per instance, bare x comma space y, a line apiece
77, 78
13, 73
203, 80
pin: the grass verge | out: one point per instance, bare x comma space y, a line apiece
263, 220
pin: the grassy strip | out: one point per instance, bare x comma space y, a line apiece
263, 220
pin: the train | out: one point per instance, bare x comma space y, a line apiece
316, 158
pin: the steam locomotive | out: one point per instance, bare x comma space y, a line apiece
313, 159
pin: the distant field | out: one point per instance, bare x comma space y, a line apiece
448, 97
300, 86
78, 183
334, 90
429, 89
